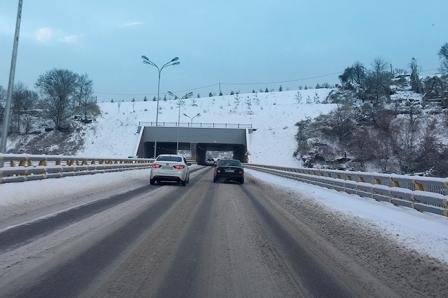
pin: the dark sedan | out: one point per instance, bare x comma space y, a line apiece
229, 170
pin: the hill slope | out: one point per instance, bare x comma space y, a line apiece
273, 114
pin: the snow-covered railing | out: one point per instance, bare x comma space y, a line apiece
25, 167
197, 125
421, 193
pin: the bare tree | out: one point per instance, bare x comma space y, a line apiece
361, 146
2, 101
2, 94
429, 149
353, 76
23, 101
83, 96
378, 82
58, 90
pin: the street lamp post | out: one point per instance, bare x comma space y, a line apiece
191, 124
12, 73
180, 102
172, 62
192, 117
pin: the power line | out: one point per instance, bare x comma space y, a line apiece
286, 81
149, 93
222, 84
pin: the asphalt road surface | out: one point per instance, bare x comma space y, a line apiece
208, 240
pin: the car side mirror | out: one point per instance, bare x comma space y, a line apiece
188, 163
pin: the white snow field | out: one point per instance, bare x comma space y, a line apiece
423, 232
273, 114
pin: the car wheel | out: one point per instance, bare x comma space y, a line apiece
242, 181
215, 180
152, 181
183, 182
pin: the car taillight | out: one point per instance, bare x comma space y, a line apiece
179, 167
156, 166
241, 172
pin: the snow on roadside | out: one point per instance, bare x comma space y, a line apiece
20, 199
423, 232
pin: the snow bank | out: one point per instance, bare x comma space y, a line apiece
273, 114
21, 199
423, 232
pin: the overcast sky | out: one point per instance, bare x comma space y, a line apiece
232, 41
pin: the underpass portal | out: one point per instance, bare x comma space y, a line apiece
196, 141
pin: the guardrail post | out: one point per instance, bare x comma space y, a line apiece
418, 186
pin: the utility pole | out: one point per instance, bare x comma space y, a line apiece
12, 73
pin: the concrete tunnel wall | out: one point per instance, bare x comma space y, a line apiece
199, 140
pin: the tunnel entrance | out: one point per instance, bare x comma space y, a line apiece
198, 151
164, 148
218, 155
234, 151
196, 141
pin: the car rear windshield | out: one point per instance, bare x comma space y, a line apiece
170, 158
229, 163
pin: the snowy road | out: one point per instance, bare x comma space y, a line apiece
208, 240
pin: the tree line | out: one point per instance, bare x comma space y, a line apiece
60, 97
387, 119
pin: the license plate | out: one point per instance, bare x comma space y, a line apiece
229, 171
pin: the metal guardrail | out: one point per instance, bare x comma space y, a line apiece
421, 193
24, 167
196, 125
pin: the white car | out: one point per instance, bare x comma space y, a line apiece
170, 168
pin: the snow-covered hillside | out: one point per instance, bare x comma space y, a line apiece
273, 115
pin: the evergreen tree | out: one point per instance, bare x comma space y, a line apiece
280, 89
145, 99
266, 90
443, 54
416, 84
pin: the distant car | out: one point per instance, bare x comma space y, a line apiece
229, 170
170, 168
